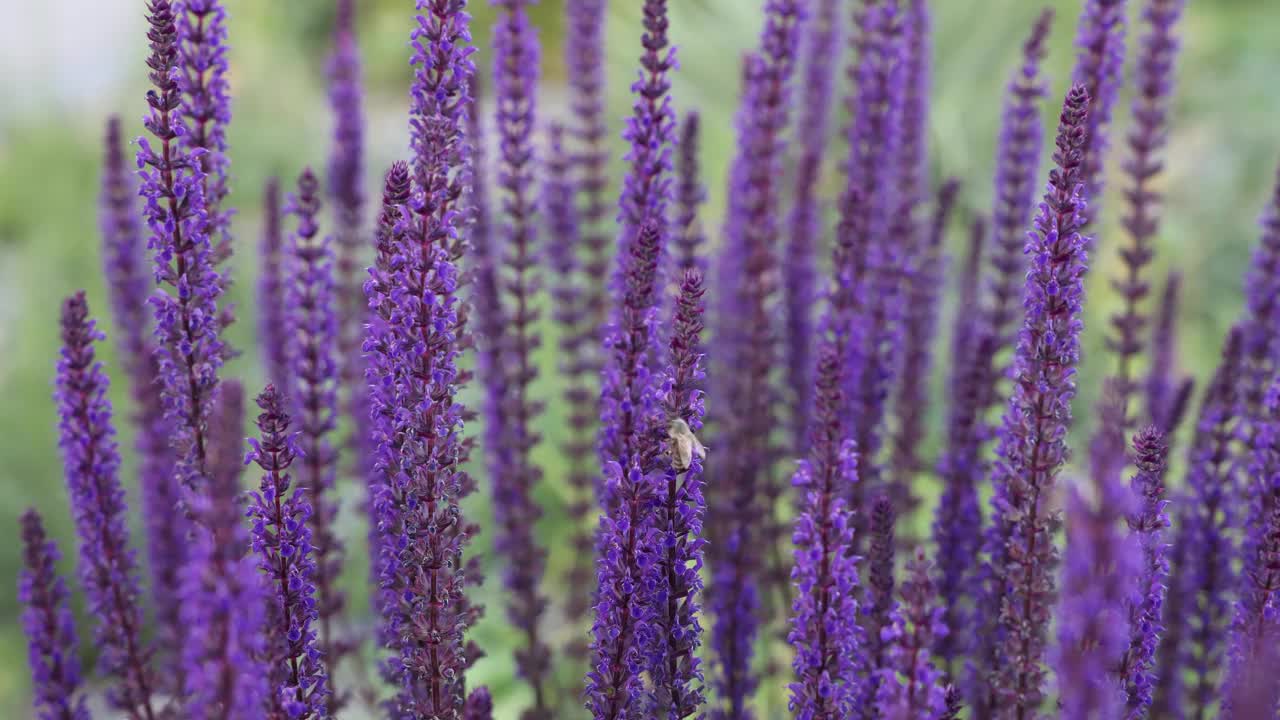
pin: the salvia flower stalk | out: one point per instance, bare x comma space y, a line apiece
345, 182
313, 328
911, 688
1148, 521
129, 285
189, 351
1100, 69
676, 670
108, 566
1167, 396
1262, 311
516, 52
223, 597
879, 602
1032, 443
206, 106
756, 491
272, 327
51, 632
281, 537
690, 196
804, 223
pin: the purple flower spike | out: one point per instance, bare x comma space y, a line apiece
206, 106
223, 596
1097, 585
675, 667
1154, 70
1148, 523
1262, 305
50, 627
272, 328
129, 284
1032, 443
829, 663
1100, 69
345, 185
1167, 397
189, 352
878, 610
1251, 682
108, 568
516, 52
313, 336
1203, 553
281, 539
755, 491
923, 295
910, 687
875, 135
804, 225
691, 194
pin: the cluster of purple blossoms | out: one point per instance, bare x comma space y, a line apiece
1108, 597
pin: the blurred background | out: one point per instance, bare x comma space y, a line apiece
64, 67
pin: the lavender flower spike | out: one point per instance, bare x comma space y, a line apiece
206, 106
910, 687
675, 668
1251, 680
313, 332
271, 288
223, 595
1262, 304
1148, 522
108, 568
1100, 69
282, 541
189, 352
50, 627
1032, 446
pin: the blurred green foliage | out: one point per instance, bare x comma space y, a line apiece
1223, 151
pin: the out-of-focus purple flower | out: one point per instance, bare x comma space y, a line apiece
108, 568
206, 107
1204, 576
1166, 400
1032, 444
515, 80
129, 284
1262, 317
312, 329
281, 537
1100, 69
1098, 582
626, 540
875, 136
1250, 681
189, 352
755, 491
49, 626
879, 604
223, 598
680, 507
345, 185
479, 705
804, 224
958, 521
1148, 522
690, 195
910, 687
272, 328
923, 295
1146, 141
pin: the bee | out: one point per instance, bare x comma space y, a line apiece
683, 445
